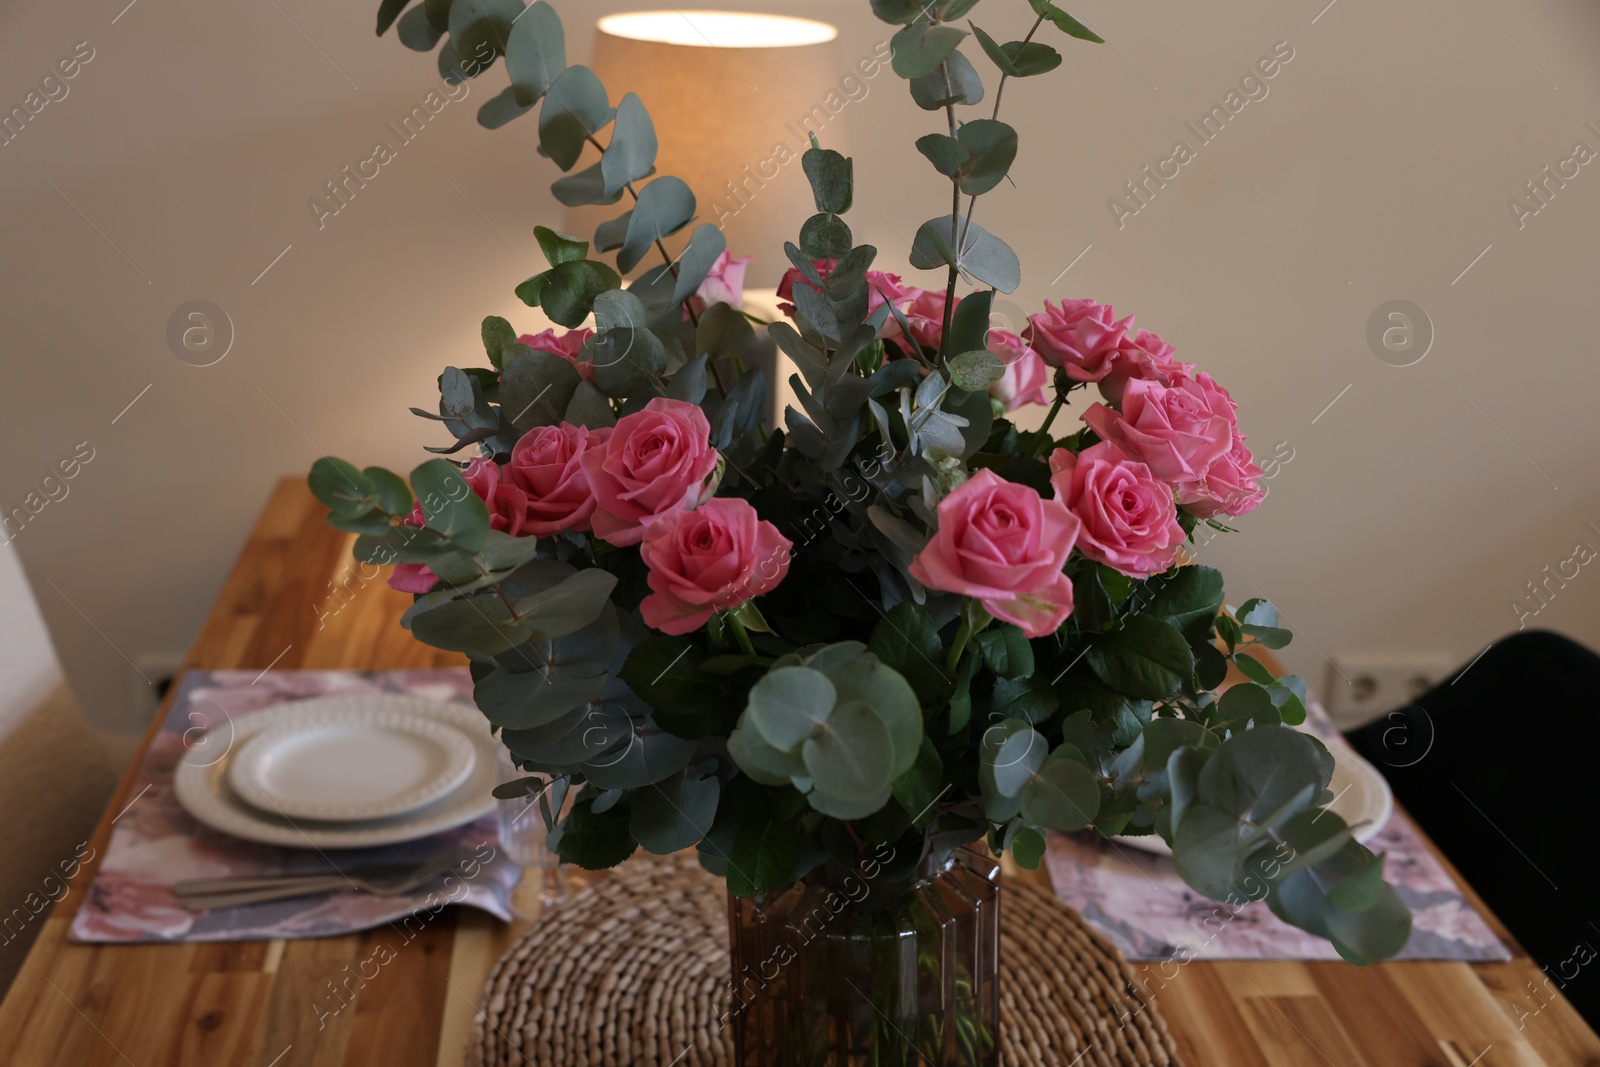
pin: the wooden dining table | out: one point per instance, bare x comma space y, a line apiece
293, 601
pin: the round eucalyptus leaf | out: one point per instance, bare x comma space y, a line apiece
522, 700
664, 207
1063, 794
1016, 760
847, 810
675, 814
632, 152
536, 52
1205, 848
760, 760
1259, 771
1376, 933
921, 47
575, 109
651, 755
826, 237
955, 81
788, 705
851, 757
866, 679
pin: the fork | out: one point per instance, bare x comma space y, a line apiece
205, 894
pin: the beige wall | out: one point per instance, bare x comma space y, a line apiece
1389, 143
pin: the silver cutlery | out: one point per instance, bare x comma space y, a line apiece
207, 893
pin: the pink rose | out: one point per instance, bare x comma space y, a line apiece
1232, 485
793, 276
724, 283
1080, 336
507, 504
713, 558
1177, 431
1130, 521
547, 466
1147, 357
925, 316
569, 346
413, 577
656, 461
1026, 379
1003, 544
882, 288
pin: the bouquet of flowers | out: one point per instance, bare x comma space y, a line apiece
895, 618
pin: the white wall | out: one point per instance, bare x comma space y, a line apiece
1391, 142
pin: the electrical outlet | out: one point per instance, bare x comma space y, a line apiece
1362, 687
156, 673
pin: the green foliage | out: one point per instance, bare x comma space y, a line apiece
832, 180
536, 52
665, 206
575, 110
1065, 22
838, 724
922, 46
982, 255
852, 705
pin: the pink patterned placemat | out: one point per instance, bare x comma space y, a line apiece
155, 844
1138, 901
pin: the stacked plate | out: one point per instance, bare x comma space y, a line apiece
346, 772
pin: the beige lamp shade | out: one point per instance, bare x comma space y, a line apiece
734, 98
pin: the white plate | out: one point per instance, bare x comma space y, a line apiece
341, 762
1362, 798
204, 793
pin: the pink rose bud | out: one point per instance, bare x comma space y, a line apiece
547, 465
1026, 379
569, 346
1079, 336
1130, 520
413, 577
656, 461
1004, 545
724, 283
711, 559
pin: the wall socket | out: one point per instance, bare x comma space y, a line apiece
161, 670
1362, 687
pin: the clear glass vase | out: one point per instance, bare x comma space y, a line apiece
845, 970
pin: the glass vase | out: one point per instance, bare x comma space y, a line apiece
847, 969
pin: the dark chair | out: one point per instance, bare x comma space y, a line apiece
1498, 765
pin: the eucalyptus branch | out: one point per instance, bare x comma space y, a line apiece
1000, 88
672, 265
999, 92
512, 609
955, 213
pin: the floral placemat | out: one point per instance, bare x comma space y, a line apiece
155, 844
1136, 899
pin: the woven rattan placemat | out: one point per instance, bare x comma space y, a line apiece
634, 972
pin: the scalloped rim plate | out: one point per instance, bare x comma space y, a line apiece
203, 790
346, 763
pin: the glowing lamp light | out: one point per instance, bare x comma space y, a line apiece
718, 29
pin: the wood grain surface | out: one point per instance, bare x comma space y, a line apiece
265, 1003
